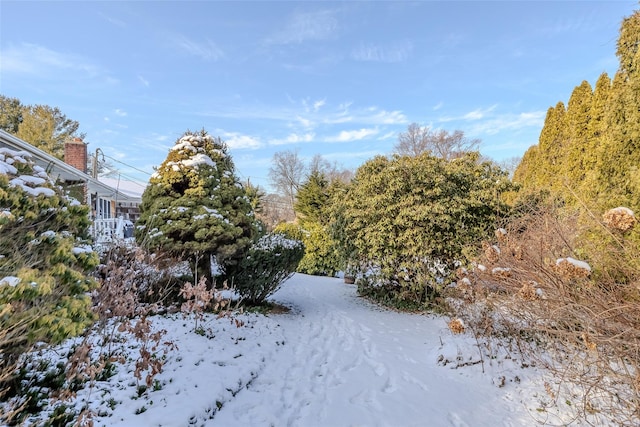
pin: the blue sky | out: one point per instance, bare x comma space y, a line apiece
340, 79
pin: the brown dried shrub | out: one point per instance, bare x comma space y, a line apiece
568, 269
491, 252
501, 235
620, 218
528, 291
584, 327
456, 326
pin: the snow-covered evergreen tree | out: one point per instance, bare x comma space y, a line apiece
195, 207
44, 255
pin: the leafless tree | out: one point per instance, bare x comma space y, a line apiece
441, 143
275, 209
286, 174
331, 171
510, 164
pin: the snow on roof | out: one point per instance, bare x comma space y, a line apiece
129, 188
28, 183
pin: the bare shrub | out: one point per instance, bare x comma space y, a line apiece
153, 278
456, 326
569, 268
9, 335
620, 218
491, 252
119, 308
197, 299
581, 321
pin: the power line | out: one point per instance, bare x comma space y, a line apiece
129, 166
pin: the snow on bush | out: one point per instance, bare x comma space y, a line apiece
194, 207
268, 263
570, 268
620, 218
43, 243
491, 252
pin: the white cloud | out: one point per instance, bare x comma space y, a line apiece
37, 60
438, 106
310, 106
303, 26
473, 115
352, 135
207, 50
386, 117
294, 138
383, 53
239, 141
305, 122
477, 114
144, 81
120, 112
318, 104
302, 114
113, 21
509, 122
388, 135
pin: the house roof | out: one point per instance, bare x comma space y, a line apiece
130, 188
59, 170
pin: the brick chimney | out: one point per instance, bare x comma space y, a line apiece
75, 154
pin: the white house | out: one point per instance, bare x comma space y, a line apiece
113, 209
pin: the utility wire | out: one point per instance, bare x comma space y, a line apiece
129, 166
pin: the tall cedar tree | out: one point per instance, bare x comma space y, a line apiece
594, 144
320, 257
578, 117
621, 172
596, 129
312, 198
195, 207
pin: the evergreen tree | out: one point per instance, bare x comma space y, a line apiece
312, 198
44, 254
542, 166
528, 169
596, 126
592, 162
594, 144
194, 206
320, 257
622, 141
578, 118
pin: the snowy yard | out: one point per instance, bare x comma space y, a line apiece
333, 360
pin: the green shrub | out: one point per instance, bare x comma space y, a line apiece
320, 256
44, 255
289, 230
412, 218
268, 263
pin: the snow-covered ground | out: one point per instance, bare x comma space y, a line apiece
333, 360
